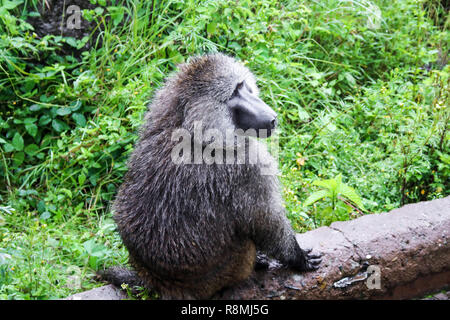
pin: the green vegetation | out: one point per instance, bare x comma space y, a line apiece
361, 94
334, 190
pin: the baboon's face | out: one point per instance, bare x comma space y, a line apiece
250, 112
221, 93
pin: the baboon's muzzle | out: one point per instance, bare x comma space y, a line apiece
250, 112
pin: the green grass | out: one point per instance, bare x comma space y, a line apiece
352, 100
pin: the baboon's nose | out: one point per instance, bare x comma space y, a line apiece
273, 123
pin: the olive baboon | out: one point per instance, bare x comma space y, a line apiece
193, 229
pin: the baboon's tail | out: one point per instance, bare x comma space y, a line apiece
119, 275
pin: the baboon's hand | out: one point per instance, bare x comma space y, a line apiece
307, 261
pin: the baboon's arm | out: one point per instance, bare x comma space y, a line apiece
273, 234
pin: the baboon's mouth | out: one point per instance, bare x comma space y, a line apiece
252, 132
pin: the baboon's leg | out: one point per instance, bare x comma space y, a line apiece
241, 263
231, 270
236, 268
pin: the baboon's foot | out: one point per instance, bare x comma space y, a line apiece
263, 262
310, 261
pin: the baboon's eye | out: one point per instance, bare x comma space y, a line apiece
238, 87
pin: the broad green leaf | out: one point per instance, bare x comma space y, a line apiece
18, 158
79, 119
8, 147
45, 215
45, 119
58, 125
71, 41
234, 45
75, 105
17, 142
211, 28
81, 179
63, 111
11, 4
32, 129
93, 179
94, 249
316, 196
93, 262
99, 10
67, 192
41, 206
444, 157
329, 184
31, 149
350, 193
29, 120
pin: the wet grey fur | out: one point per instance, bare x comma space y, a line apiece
193, 229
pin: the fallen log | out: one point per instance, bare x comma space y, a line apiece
402, 254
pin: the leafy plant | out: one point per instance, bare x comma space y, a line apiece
335, 190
